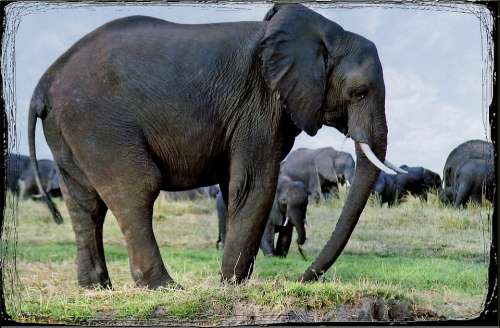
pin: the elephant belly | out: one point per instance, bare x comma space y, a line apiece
187, 164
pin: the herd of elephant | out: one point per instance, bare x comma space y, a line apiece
310, 174
142, 105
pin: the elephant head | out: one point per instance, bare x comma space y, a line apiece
292, 201
325, 75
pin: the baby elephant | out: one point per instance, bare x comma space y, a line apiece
288, 211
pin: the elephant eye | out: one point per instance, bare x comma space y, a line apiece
359, 93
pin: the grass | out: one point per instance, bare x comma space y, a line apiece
421, 252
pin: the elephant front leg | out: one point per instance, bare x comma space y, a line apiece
284, 240
267, 242
463, 193
251, 194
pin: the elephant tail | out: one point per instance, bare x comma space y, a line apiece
38, 109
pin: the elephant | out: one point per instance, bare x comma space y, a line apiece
192, 194
385, 188
315, 168
473, 179
471, 149
417, 181
49, 178
15, 166
288, 211
141, 105
344, 166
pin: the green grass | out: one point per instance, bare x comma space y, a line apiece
421, 252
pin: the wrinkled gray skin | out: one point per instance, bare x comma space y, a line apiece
418, 181
48, 176
321, 169
290, 201
192, 194
472, 149
15, 166
473, 179
142, 105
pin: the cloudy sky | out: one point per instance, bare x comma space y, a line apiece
432, 62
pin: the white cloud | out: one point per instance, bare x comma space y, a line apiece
431, 61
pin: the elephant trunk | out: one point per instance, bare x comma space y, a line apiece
364, 180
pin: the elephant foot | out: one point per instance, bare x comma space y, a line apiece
153, 281
172, 285
95, 278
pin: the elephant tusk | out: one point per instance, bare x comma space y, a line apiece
286, 221
307, 224
394, 167
372, 158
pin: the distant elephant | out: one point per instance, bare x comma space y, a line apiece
473, 179
48, 177
288, 211
315, 168
472, 149
417, 182
192, 194
141, 105
15, 166
385, 188
344, 167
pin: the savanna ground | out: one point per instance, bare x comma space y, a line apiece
416, 261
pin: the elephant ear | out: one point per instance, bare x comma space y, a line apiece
325, 167
294, 62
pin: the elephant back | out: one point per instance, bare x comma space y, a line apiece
471, 149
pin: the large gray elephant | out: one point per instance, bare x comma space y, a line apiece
417, 181
472, 149
141, 105
288, 211
321, 169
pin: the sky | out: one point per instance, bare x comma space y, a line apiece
432, 62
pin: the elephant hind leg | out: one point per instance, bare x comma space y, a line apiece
87, 212
139, 186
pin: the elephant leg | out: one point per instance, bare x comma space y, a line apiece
462, 195
87, 212
23, 190
222, 232
267, 242
139, 185
222, 215
314, 187
477, 198
251, 194
284, 240
145, 260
